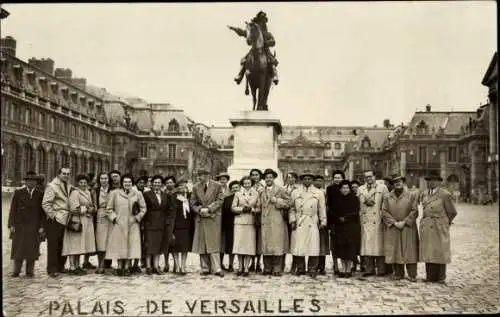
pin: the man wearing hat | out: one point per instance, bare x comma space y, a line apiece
399, 212
206, 200
274, 202
55, 203
438, 214
223, 179
307, 217
324, 239
26, 224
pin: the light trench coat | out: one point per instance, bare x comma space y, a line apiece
400, 245
308, 211
372, 227
438, 213
245, 241
273, 227
125, 239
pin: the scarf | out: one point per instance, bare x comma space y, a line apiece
185, 205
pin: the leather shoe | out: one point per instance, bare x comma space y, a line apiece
15, 275
205, 273
245, 274
30, 275
277, 274
222, 274
366, 274
88, 265
53, 275
157, 271
412, 279
239, 273
149, 271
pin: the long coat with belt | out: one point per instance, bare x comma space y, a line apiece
103, 225
372, 227
76, 243
207, 233
125, 238
400, 245
159, 222
308, 211
438, 213
273, 226
26, 216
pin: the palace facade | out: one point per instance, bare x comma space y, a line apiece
51, 118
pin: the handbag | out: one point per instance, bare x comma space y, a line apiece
74, 225
135, 209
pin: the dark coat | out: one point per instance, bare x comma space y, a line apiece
183, 227
332, 198
345, 218
159, 220
26, 217
228, 224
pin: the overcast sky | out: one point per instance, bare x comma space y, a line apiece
340, 63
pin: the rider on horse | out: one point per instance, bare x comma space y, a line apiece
261, 20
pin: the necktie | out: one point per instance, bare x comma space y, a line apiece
205, 187
66, 188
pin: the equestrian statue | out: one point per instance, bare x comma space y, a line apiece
258, 65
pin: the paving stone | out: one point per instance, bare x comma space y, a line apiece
472, 284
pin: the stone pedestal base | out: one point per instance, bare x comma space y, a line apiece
255, 143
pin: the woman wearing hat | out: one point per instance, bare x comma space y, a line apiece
223, 178
347, 228
245, 206
182, 228
79, 242
26, 224
228, 222
438, 214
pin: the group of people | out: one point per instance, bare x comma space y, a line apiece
371, 227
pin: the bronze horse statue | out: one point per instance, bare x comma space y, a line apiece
258, 68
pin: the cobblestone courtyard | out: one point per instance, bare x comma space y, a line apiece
472, 286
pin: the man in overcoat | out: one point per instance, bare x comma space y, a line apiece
372, 227
438, 214
274, 202
206, 200
399, 212
324, 239
307, 216
55, 203
26, 224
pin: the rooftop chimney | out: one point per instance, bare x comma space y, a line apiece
8, 45
428, 108
45, 64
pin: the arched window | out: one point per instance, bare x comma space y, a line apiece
173, 126
337, 146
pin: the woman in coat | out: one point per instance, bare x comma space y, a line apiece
228, 222
125, 209
103, 225
82, 210
156, 238
183, 226
347, 228
245, 206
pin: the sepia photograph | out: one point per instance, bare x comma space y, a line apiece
249, 158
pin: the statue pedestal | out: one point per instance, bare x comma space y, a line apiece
255, 143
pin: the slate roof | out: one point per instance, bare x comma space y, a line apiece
449, 121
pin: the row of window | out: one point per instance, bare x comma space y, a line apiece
54, 123
172, 150
29, 78
423, 157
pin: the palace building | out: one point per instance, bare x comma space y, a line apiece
51, 118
